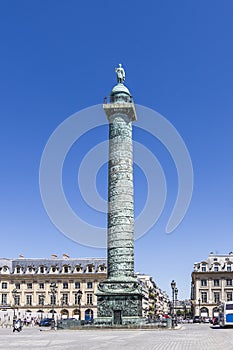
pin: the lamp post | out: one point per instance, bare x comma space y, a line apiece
62, 304
176, 293
41, 303
184, 305
199, 303
80, 293
173, 286
14, 293
53, 290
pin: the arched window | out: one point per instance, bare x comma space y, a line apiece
76, 314
204, 312
64, 313
88, 315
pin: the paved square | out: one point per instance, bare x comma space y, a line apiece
188, 337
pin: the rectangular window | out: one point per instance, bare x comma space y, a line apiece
53, 299
29, 285
65, 285
229, 296
229, 268
17, 300
89, 298
41, 285
204, 297
77, 298
203, 283
216, 283
229, 282
203, 268
4, 285
77, 285
216, 297
4, 299
17, 285
65, 299
89, 284
41, 299
215, 268
29, 299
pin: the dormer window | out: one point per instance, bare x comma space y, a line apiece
203, 268
215, 268
42, 269
66, 269
30, 269
18, 269
90, 268
53, 269
228, 267
5, 269
78, 268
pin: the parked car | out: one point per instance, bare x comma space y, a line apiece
45, 322
196, 319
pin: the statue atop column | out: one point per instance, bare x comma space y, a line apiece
120, 72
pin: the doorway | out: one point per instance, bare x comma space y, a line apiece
117, 317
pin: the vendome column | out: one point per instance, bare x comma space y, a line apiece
119, 297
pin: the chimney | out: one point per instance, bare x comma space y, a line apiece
21, 256
65, 256
54, 256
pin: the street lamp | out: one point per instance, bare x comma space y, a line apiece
173, 286
80, 293
14, 293
53, 290
199, 303
176, 293
62, 304
41, 303
184, 306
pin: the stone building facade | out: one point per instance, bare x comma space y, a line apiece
155, 302
25, 288
212, 283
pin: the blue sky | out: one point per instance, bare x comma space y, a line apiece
58, 57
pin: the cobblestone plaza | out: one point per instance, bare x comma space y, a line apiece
186, 337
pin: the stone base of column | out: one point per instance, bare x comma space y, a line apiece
119, 302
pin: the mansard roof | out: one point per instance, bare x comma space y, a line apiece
24, 263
